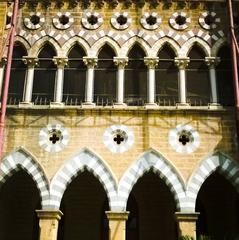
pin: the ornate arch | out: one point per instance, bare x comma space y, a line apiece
105, 40
152, 160
126, 47
165, 41
23, 42
216, 162
37, 46
20, 159
217, 45
186, 47
76, 40
85, 159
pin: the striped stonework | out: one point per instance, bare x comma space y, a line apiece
84, 160
30, 25
204, 24
21, 160
151, 160
115, 20
86, 23
175, 25
216, 162
58, 24
146, 16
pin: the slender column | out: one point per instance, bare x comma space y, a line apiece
182, 64
121, 63
212, 63
31, 63
48, 222
186, 224
151, 63
3, 62
60, 62
117, 225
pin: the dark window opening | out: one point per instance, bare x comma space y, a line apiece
92, 20
74, 77
151, 20
35, 19
44, 77
121, 20
198, 82
17, 77
136, 77
180, 20
166, 78
209, 19
105, 77
64, 19
8, 20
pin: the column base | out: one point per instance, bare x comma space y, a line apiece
151, 105
182, 105
119, 105
88, 105
57, 104
25, 104
214, 106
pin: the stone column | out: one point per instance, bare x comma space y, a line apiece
3, 62
48, 222
151, 63
91, 63
31, 63
117, 225
186, 224
121, 63
182, 64
60, 62
212, 63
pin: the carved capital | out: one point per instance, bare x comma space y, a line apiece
3, 62
151, 62
31, 62
60, 62
121, 62
182, 63
90, 62
212, 62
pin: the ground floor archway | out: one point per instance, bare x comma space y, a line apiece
19, 198
152, 210
218, 204
84, 204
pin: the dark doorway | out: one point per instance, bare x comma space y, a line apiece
19, 198
218, 204
151, 206
75, 77
84, 204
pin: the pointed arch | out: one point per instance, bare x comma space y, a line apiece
68, 45
85, 159
128, 45
152, 160
23, 42
97, 46
217, 45
160, 44
185, 49
215, 162
20, 159
39, 44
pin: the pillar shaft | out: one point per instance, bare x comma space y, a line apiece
48, 222
31, 62
151, 63
2, 67
121, 63
117, 225
91, 63
182, 64
59, 79
212, 63
186, 224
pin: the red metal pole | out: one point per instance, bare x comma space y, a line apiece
234, 63
7, 75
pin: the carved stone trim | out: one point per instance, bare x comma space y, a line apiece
31, 62
121, 62
212, 62
90, 62
182, 63
151, 62
60, 62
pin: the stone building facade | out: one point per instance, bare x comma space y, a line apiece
120, 122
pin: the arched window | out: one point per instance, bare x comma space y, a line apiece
44, 76
225, 78
17, 77
75, 77
136, 77
105, 77
198, 82
166, 78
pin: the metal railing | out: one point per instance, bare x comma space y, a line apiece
41, 98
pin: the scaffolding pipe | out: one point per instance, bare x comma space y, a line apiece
7, 75
234, 63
